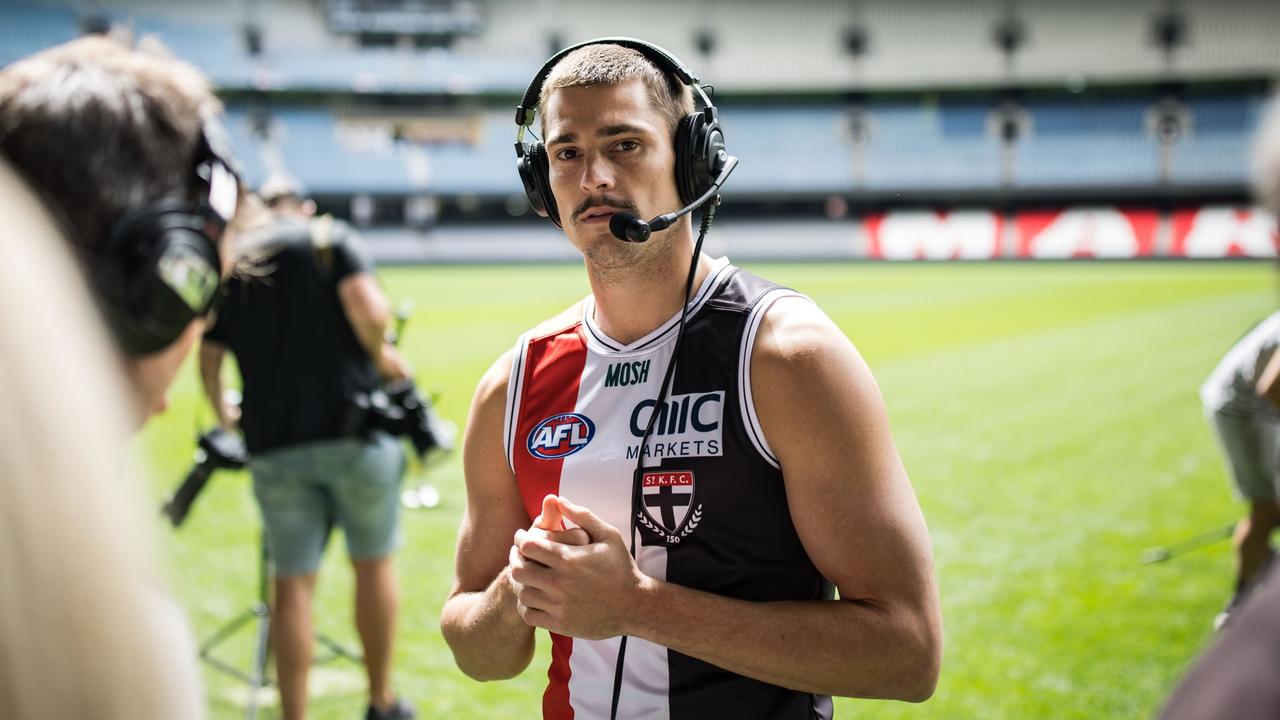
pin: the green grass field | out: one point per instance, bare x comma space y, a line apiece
1047, 414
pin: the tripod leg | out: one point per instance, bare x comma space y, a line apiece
336, 650
259, 672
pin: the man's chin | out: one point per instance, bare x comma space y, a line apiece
604, 251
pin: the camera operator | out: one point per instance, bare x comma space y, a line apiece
118, 149
308, 338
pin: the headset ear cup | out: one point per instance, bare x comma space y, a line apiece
531, 164
699, 154
143, 311
685, 132
542, 181
524, 167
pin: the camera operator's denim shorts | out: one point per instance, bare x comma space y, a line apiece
303, 491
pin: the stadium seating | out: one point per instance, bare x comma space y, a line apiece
925, 145
1084, 142
805, 145
801, 150
1216, 146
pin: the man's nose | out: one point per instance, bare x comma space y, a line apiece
597, 174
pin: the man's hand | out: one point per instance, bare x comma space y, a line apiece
550, 524
579, 589
391, 364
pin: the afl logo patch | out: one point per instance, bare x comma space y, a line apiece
560, 436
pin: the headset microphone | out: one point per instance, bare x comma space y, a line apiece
628, 228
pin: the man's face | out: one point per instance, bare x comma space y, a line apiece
608, 149
152, 374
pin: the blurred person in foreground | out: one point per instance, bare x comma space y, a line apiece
114, 199
307, 336
771, 479
1238, 678
1242, 400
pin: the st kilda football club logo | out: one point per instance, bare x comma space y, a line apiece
667, 502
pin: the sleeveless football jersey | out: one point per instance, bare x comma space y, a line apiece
715, 514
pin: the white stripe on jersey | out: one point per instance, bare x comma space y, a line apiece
748, 406
515, 388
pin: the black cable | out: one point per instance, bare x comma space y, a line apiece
709, 212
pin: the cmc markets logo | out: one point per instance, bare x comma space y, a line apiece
561, 436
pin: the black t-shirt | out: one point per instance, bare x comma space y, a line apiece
299, 359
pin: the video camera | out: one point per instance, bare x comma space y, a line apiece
215, 450
398, 409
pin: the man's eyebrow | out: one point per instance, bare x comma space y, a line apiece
611, 130
606, 131
562, 138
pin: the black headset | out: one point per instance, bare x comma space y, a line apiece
699, 141
159, 266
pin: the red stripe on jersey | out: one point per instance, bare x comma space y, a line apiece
553, 373
555, 701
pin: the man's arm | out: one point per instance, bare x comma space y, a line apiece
853, 509
479, 621
1268, 385
211, 355
368, 311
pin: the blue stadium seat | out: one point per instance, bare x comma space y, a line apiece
1215, 150
922, 146
1087, 142
791, 149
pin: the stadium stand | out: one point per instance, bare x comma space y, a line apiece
912, 115
928, 145
1086, 143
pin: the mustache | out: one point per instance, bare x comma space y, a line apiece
605, 201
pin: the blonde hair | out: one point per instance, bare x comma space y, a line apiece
1266, 158
613, 65
84, 628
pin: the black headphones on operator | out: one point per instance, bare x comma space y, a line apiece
159, 266
701, 161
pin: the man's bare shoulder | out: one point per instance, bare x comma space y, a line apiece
797, 338
493, 384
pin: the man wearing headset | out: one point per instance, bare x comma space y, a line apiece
681, 533
123, 146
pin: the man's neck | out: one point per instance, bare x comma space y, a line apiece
637, 301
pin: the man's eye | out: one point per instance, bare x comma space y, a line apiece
566, 154
627, 145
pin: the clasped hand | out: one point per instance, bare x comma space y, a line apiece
580, 582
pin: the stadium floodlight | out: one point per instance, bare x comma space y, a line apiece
1182, 547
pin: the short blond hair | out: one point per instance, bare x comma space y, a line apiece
1266, 158
610, 64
